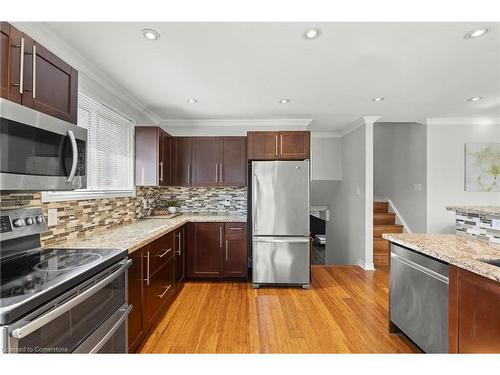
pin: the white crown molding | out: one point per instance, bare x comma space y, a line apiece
62, 49
325, 135
302, 123
463, 121
358, 123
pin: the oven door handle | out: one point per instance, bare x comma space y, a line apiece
111, 332
71, 136
44, 319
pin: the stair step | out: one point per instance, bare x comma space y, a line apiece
380, 245
384, 218
380, 207
379, 229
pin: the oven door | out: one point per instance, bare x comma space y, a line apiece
68, 321
39, 152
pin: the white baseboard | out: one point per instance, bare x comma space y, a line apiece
366, 266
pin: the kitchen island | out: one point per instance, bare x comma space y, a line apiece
473, 278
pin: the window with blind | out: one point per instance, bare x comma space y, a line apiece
110, 158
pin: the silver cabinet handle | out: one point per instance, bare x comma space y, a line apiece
71, 136
281, 144
235, 228
32, 326
276, 144
179, 244
216, 173
220, 236
33, 92
148, 279
220, 178
161, 171
21, 68
165, 292
165, 253
189, 173
226, 250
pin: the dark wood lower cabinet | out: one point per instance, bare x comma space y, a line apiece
135, 298
180, 254
473, 313
235, 252
159, 291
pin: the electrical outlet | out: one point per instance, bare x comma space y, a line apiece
358, 190
227, 201
495, 224
417, 187
52, 217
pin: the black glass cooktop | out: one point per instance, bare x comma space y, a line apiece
29, 280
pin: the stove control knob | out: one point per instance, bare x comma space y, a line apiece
40, 219
29, 221
18, 223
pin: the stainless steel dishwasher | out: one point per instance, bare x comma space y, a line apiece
419, 298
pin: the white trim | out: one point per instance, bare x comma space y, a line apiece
325, 135
290, 122
63, 50
358, 123
366, 266
395, 210
463, 121
78, 195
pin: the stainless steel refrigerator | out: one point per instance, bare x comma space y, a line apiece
280, 223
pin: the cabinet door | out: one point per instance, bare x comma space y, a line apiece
10, 62
263, 145
165, 159
205, 250
50, 85
135, 298
159, 292
206, 157
181, 163
180, 255
234, 161
235, 252
474, 313
294, 145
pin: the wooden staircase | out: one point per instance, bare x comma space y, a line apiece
383, 222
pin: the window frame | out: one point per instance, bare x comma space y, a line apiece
86, 194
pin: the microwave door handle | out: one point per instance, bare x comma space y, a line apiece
71, 136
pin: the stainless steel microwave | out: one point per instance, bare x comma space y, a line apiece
39, 152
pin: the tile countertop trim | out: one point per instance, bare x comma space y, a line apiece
141, 232
478, 210
462, 251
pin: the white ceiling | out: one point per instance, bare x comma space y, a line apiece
241, 70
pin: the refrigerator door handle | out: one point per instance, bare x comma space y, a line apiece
254, 202
281, 240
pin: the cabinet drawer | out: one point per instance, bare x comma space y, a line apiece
160, 290
235, 231
160, 252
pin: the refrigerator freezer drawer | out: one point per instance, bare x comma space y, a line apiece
281, 260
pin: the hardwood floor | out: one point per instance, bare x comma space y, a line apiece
345, 311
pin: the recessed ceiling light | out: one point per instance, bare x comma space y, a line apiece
150, 34
475, 33
284, 101
310, 34
475, 99
192, 101
378, 99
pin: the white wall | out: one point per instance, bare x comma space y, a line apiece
400, 164
348, 227
326, 157
445, 171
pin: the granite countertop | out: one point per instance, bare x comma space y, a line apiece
134, 235
459, 250
478, 210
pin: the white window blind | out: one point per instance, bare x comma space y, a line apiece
109, 146
110, 155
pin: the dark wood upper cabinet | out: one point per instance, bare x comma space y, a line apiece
294, 144
263, 145
235, 252
283, 145
35, 77
152, 156
234, 161
205, 250
473, 313
181, 161
206, 157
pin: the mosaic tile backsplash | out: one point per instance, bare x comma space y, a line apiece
479, 226
206, 199
78, 219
